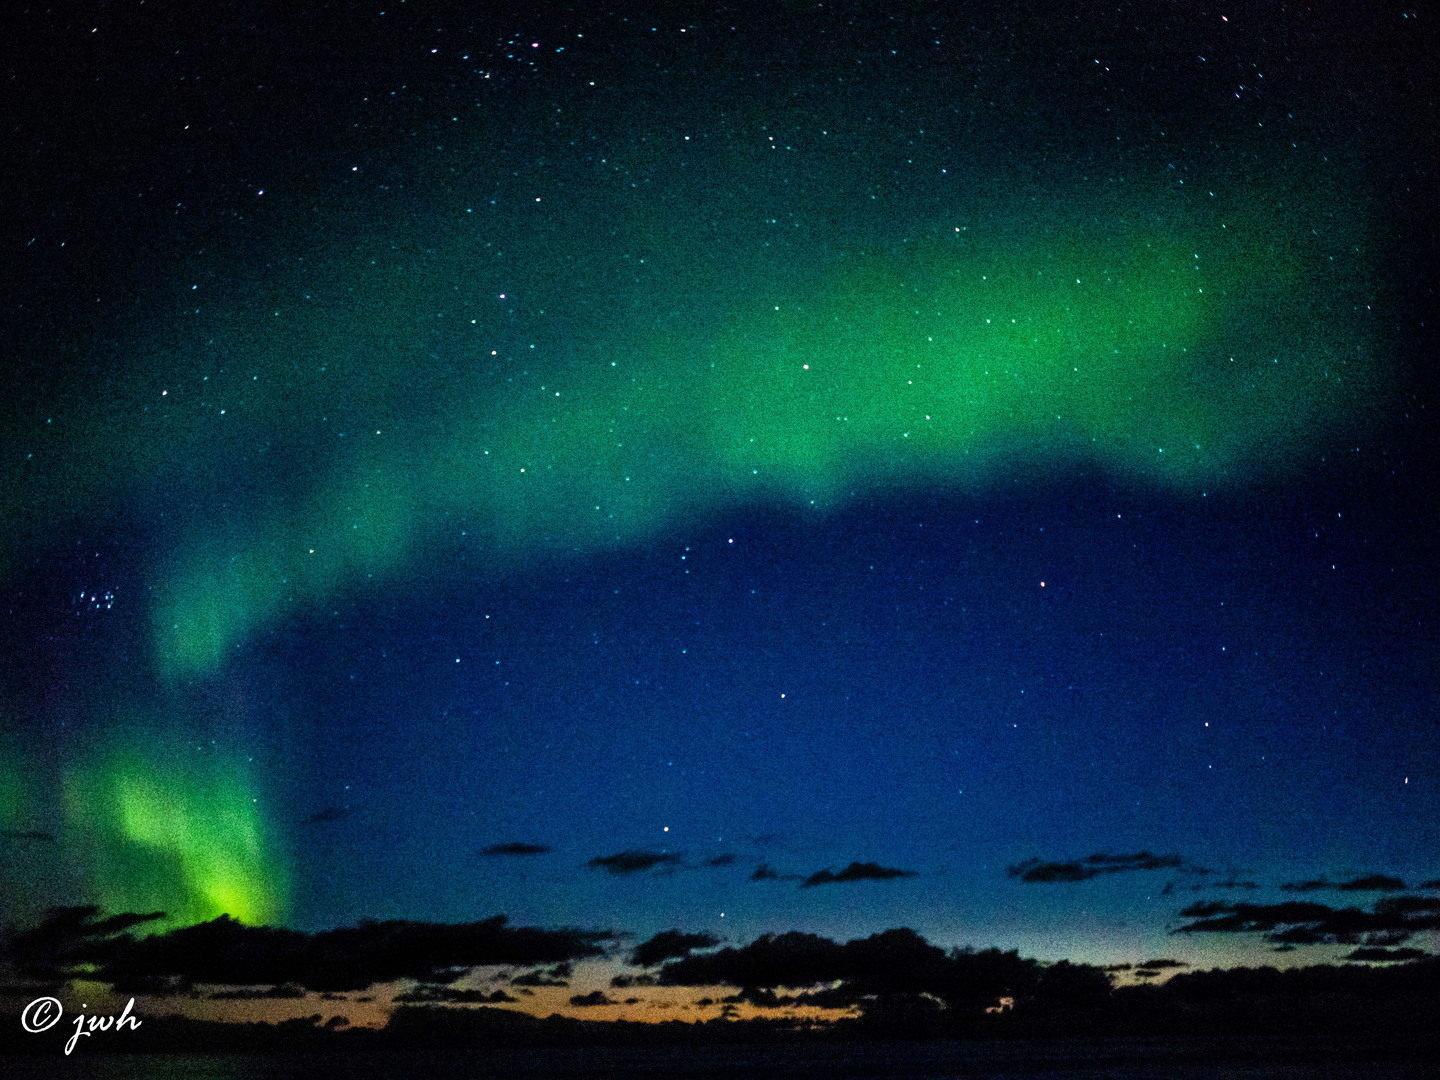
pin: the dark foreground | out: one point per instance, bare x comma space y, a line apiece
1073, 1059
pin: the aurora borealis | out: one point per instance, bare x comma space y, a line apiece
834, 388
854, 448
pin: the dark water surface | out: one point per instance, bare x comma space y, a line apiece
1125, 1059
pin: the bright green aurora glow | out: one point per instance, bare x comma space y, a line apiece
1188, 359
159, 839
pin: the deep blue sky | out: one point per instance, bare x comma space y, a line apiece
710, 605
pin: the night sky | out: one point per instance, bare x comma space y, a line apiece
735, 469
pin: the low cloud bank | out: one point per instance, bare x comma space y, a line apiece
224, 952
856, 871
858, 973
1391, 921
1033, 870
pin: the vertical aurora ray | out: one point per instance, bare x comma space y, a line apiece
189, 842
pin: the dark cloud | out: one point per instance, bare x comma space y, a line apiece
760, 998
766, 872
894, 965
554, 975
633, 862
1370, 883
1373, 954
429, 992
70, 937
255, 993
856, 871
721, 860
1297, 922
1429, 884
595, 997
624, 982
795, 959
1161, 964
1095, 865
329, 814
668, 945
516, 848
224, 952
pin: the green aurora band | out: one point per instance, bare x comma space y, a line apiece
1193, 361
1216, 349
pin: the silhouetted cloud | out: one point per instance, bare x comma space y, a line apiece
329, 814
429, 992
624, 982
668, 945
1095, 865
1429, 884
798, 959
721, 860
554, 975
894, 965
595, 997
1297, 922
766, 872
633, 862
224, 952
1374, 954
1370, 883
255, 994
1160, 964
516, 848
760, 998
69, 937
856, 871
